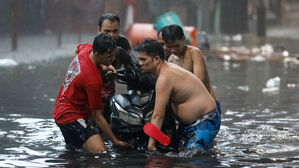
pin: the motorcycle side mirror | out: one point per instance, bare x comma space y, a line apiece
123, 56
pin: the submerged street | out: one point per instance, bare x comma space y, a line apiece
258, 128
251, 54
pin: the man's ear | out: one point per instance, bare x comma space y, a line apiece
96, 54
184, 38
156, 58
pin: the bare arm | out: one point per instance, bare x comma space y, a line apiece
163, 91
200, 70
102, 123
198, 64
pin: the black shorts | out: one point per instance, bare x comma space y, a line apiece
77, 132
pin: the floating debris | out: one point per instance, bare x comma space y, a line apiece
292, 85
262, 53
273, 82
7, 62
272, 85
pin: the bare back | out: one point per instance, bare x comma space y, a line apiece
189, 98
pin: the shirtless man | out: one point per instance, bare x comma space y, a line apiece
187, 57
191, 102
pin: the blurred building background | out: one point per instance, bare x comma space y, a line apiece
59, 18
70, 15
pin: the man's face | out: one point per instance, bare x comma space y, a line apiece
146, 62
175, 47
105, 58
110, 27
166, 50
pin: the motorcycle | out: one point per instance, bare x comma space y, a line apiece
131, 111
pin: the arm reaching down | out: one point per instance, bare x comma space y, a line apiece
163, 91
102, 123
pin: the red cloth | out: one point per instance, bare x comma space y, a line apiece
80, 92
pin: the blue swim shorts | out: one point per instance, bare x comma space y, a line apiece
218, 105
202, 133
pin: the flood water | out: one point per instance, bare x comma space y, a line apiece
259, 129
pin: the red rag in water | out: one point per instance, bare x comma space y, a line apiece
152, 131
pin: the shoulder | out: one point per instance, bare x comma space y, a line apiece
169, 71
90, 78
165, 73
195, 53
194, 50
83, 47
88, 72
170, 75
164, 82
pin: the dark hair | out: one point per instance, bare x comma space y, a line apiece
124, 43
160, 31
103, 43
172, 32
108, 16
151, 48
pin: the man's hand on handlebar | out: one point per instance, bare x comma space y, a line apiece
108, 68
108, 73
